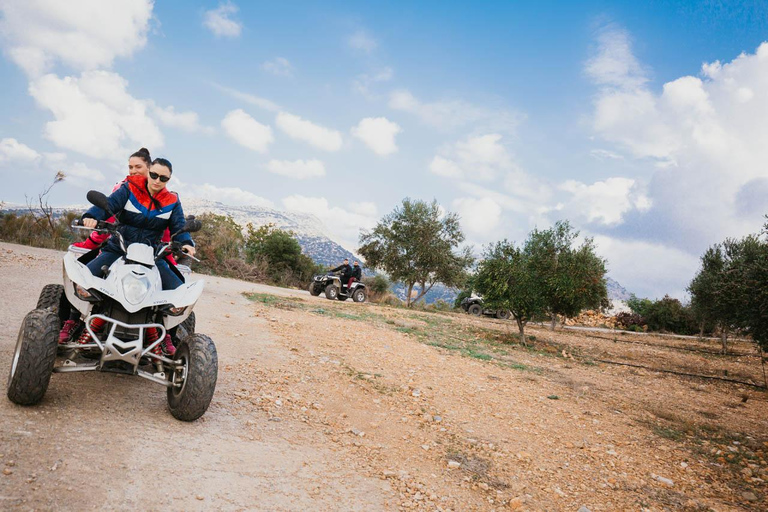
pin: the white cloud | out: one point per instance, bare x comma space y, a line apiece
81, 174
706, 135
251, 99
94, 114
12, 151
378, 133
604, 154
316, 135
219, 21
451, 114
228, 195
605, 202
345, 225
481, 158
247, 132
188, 121
278, 66
363, 83
362, 41
647, 269
297, 169
82, 34
479, 217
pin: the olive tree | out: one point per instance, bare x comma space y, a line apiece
574, 276
417, 243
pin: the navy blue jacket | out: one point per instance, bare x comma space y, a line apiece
143, 220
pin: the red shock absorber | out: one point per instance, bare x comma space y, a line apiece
97, 324
152, 336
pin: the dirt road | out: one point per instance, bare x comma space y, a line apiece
324, 405
104, 441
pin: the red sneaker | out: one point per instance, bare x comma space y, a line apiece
167, 345
66, 331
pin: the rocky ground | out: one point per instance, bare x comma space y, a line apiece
327, 405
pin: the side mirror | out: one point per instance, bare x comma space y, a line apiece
98, 199
192, 225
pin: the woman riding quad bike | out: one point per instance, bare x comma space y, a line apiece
129, 299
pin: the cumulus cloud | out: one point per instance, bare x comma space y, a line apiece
479, 217
81, 175
234, 196
378, 133
297, 169
605, 202
480, 158
362, 41
452, 114
345, 225
646, 268
82, 34
247, 132
251, 99
278, 66
705, 136
187, 121
94, 114
314, 134
219, 21
12, 151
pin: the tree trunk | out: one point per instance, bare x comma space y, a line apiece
701, 331
424, 291
521, 326
554, 322
408, 295
724, 339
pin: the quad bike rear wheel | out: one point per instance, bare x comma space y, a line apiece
475, 309
331, 292
359, 296
52, 297
503, 314
33, 358
197, 375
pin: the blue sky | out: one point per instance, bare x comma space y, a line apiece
643, 123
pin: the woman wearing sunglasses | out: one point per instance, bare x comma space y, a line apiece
145, 209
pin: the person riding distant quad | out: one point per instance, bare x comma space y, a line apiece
346, 271
356, 274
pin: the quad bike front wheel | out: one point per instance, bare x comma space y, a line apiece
331, 292
33, 357
196, 375
52, 297
189, 323
475, 309
313, 291
359, 296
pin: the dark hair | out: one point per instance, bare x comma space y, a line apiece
143, 153
164, 163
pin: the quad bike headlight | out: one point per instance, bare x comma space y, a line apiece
176, 311
82, 293
135, 288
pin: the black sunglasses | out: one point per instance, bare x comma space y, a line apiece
156, 176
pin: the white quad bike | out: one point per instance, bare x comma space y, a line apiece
131, 301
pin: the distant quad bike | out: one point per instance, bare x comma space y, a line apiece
474, 306
136, 313
331, 285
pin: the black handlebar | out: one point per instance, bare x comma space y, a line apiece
100, 225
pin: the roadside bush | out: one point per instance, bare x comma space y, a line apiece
38, 230
627, 320
378, 287
670, 315
390, 299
